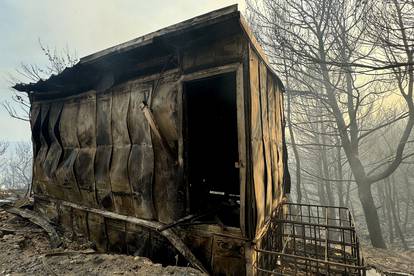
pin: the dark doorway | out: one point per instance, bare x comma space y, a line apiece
211, 147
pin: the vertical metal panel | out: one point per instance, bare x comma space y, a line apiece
266, 137
137, 125
35, 126
169, 191
103, 150
116, 235
121, 189
241, 132
35, 123
257, 140
273, 139
280, 140
97, 231
137, 240
86, 133
140, 169
80, 223
55, 150
65, 175
249, 197
141, 159
41, 178
86, 129
164, 107
65, 217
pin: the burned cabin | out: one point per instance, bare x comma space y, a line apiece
171, 144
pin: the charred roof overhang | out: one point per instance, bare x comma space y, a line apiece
145, 55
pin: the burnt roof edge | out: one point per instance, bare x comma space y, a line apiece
149, 38
133, 44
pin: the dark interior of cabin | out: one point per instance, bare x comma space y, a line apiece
211, 149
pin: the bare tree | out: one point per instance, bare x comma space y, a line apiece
17, 168
330, 58
19, 105
3, 150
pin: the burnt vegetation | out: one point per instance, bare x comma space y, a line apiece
348, 71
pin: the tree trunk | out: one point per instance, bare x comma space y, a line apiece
394, 215
295, 151
306, 196
396, 199
388, 214
321, 190
348, 192
340, 185
371, 215
407, 202
350, 147
328, 186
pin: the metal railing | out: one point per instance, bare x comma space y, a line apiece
304, 239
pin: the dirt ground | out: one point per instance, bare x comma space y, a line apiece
25, 250
392, 261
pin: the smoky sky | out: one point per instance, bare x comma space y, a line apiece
81, 26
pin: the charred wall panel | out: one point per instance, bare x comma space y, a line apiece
266, 137
169, 191
97, 150
65, 173
35, 127
97, 231
121, 189
65, 217
257, 140
273, 130
84, 165
137, 240
55, 151
116, 231
41, 180
282, 161
278, 145
35, 124
266, 140
80, 223
103, 150
141, 159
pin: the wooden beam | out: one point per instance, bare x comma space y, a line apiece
211, 72
174, 239
154, 127
241, 137
55, 240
